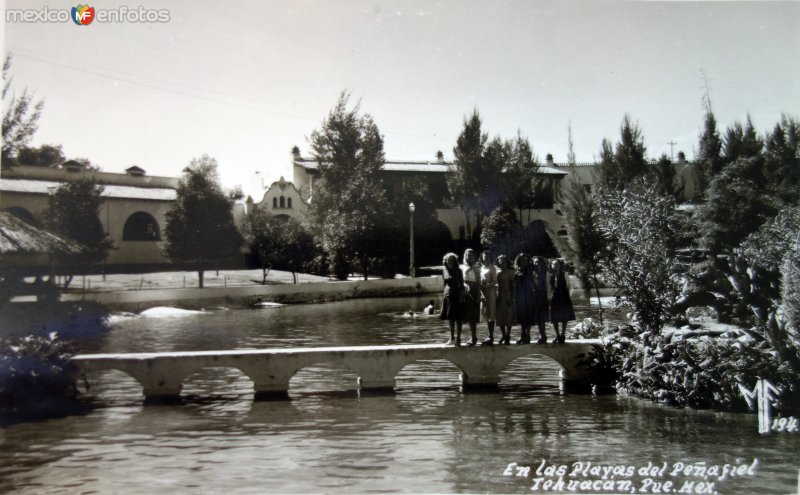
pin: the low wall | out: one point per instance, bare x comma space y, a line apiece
134, 300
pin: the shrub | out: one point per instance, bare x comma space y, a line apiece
641, 230
698, 372
36, 375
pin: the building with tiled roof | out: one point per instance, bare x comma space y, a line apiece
433, 176
133, 211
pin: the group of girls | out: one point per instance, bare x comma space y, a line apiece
526, 294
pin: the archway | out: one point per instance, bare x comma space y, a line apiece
325, 377
112, 387
532, 371
141, 226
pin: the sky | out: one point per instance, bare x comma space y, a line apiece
245, 81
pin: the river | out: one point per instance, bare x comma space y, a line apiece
427, 437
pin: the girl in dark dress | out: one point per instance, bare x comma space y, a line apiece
561, 309
523, 297
505, 299
541, 310
452, 307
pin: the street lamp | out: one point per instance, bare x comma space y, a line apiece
51, 192
411, 239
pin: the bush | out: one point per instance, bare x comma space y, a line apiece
698, 372
37, 376
641, 229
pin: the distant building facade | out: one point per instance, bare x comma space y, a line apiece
432, 175
132, 214
283, 200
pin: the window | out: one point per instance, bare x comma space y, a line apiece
289, 202
274, 202
141, 226
283, 202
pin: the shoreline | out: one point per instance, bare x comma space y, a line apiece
309, 292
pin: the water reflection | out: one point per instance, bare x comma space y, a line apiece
426, 437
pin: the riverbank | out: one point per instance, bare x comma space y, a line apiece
235, 288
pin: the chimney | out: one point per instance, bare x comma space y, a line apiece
681, 158
440, 156
549, 160
296, 154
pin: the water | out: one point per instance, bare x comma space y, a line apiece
428, 436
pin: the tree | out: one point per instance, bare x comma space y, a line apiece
737, 203
709, 154
628, 160
518, 173
586, 241
278, 243
74, 212
768, 281
782, 155
348, 206
199, 226
46, 155
21, 118
501, 232
640, 228
741, 142
663, 174
465, 181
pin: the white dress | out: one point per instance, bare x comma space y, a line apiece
489, 291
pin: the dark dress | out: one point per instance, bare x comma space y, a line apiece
541, 311
452, 307
523, 295
471, 312
561, 305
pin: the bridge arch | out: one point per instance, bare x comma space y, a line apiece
111, 383
324, 375
428, 373
217, 381
530, 369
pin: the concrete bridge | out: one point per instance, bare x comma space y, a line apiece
161, 374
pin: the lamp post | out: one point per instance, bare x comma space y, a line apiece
51, 192
411, 240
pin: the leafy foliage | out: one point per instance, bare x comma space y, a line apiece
689, 371
737, 204
349, 204
519, 172
628, 160
663, 174
35, 371
640, 228
468, 169
279, 243
586, 241
766, 276
502, 232
199, 225
709, 154
741, 142
21, 118
46, 155
782, 159
74, 212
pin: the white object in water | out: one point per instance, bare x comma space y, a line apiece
267, 305
165, 311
